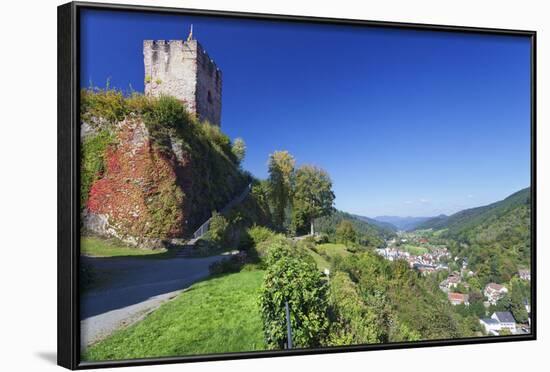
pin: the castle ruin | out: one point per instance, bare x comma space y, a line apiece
184, 70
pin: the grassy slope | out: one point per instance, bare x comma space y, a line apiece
321, 262
96, 247
333, 249
218, 315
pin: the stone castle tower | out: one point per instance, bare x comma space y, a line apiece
183, 69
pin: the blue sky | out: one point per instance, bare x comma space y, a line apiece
408, 123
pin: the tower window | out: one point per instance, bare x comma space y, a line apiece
209, 97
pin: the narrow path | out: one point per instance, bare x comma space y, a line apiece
139, 286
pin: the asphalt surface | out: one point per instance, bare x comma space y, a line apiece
137, 286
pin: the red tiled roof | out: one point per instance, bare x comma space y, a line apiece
453, 296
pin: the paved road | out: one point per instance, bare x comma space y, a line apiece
137, 287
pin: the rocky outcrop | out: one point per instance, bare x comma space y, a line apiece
140, 198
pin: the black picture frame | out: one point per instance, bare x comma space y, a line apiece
68, 214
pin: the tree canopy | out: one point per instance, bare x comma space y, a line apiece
313, 196
281, 173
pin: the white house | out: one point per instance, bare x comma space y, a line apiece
499, 321
491, 326
494, 292
524, 274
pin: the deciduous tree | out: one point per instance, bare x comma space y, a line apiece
313, 196
345, 232
238, 148
281, 175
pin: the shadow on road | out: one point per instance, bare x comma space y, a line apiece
137, 280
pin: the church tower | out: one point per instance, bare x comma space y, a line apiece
182, 69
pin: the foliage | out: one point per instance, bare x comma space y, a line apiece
352, 320
164, 117
239, 149
367, 234
232, 264
345, 232
417, 308
253, 211
321, 238
281, 178
218, 230
93, 153
496, 238
312, 197
209, 177
260, 234
99, 107
520, 292
292, 278
219, 315
332, 250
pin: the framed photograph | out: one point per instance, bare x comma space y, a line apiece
236, 185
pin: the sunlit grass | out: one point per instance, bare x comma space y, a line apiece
218, 315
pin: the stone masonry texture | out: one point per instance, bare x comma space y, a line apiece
184, 70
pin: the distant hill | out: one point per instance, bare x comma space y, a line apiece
381, 224
369, 233
435, 223
496, 238
470, 218
403, 223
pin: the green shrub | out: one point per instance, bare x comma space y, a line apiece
238, 148
106, 104
321, 238
291, 278
263, 248
163, 117
218, 138
253, 237
218, 230
226, 266
353, 322
260, 234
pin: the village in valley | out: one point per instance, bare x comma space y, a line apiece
428, 256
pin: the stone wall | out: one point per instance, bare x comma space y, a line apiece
184, 70
209, 88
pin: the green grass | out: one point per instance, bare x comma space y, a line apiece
218, 315
97, 247
414, 249
321, 262
332, 250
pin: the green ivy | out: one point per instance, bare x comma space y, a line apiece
93, 150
